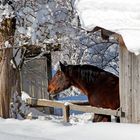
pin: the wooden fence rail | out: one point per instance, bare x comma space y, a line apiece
78, 106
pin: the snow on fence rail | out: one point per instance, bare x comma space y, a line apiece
78, 106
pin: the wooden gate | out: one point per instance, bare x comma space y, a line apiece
35, 78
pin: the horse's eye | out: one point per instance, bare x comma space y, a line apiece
59, 74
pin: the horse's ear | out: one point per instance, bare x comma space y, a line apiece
62, 67
65, 63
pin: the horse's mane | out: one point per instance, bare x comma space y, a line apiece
88, 73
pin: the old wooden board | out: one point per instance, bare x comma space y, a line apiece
126, 84
97, 110
44, 102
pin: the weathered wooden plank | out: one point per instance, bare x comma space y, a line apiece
90, 109
138, 91
45, 103
34, 79
135, 89
126, 83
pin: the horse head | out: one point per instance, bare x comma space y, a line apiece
60, 81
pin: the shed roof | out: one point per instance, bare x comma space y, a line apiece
121, 16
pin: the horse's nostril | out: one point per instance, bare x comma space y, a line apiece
48, 90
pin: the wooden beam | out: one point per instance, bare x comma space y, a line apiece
91, 109
44, 102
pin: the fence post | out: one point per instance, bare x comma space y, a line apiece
66, 113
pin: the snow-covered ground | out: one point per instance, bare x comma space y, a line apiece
11, 129
51, 127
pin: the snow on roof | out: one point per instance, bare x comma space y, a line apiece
121, 16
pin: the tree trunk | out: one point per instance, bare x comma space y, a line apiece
5, 83
6, 71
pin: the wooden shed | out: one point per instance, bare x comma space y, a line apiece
121, 17
130, 85
129, 79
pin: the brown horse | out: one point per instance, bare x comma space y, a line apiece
101, 87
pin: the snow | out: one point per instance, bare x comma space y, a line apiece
24, 96
42, 22
66, 103
80, 127
49, 127
57, 130
6, 12
7, 44
120, 16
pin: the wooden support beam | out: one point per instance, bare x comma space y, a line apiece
91, 109
44, 102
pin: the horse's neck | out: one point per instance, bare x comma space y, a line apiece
88, 84
82, 85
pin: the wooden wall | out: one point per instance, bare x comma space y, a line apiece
35, 76
130, 85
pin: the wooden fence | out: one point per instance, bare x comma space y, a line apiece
78, 106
